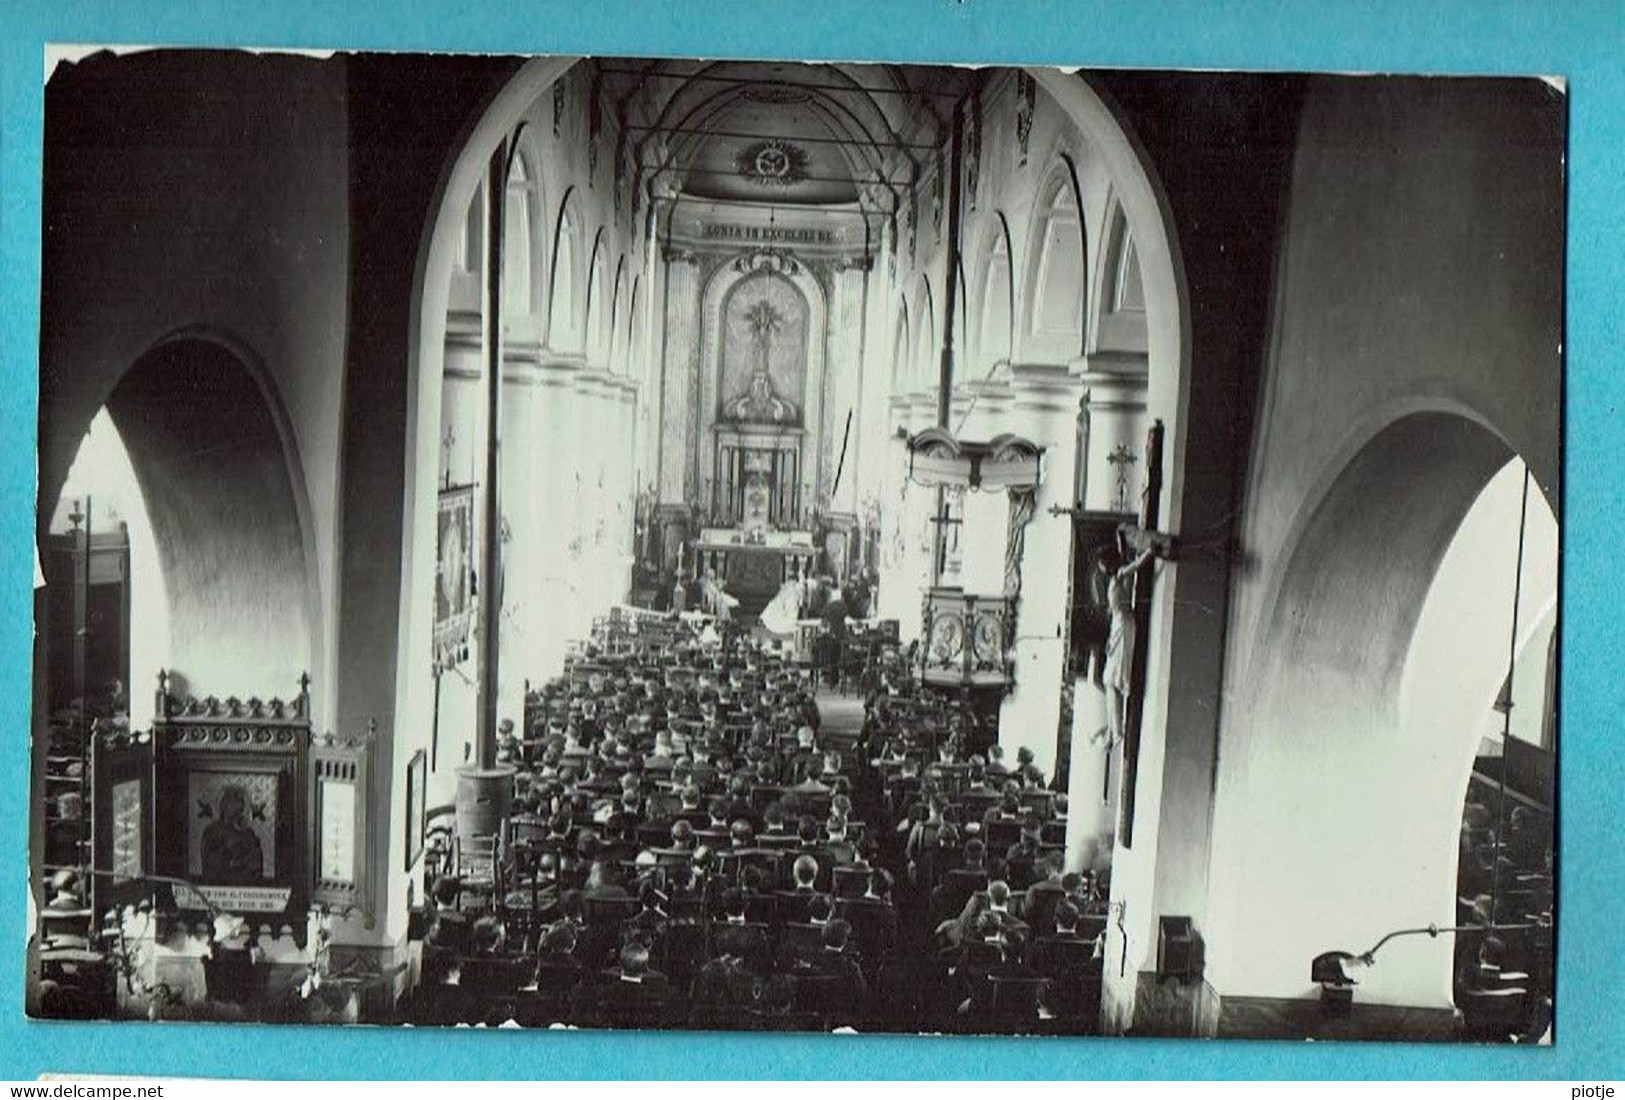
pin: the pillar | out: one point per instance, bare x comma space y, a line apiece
679, 307
521, 513
549, 481
1044, 410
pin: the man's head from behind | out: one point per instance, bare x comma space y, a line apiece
635, 959
836, 935
560, 939
805, 871
445, 890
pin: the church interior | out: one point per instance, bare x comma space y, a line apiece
756, 545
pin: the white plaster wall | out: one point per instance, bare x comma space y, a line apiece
1421, 270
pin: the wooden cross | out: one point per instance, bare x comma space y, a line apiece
944, 522
446, 443
1122, 458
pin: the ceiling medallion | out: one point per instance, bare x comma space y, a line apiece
772, 163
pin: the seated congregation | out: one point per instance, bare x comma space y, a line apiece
693, 842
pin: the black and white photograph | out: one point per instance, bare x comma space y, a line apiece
738, 545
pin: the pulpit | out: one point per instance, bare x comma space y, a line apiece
968, 637
965, 638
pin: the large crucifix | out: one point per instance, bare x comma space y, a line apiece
1138, 544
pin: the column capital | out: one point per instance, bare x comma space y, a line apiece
1112, 362
1041, 387
1113, 392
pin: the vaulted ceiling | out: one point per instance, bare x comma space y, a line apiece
783, 132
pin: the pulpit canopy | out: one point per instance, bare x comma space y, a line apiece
937, 458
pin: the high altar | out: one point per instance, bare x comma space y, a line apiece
757, 537
759, 453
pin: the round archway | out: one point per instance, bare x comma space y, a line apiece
217, 492
1341, 806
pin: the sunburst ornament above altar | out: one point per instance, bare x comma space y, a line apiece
772, 163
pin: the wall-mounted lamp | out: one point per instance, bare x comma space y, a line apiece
1333, 970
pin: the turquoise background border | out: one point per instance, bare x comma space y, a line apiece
1581, 40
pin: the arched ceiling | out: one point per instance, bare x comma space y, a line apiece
782, 132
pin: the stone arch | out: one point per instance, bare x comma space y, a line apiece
223, 490
525, 227
614, 342
1328, 755
995, 297
595, 331
432, 279
566, 325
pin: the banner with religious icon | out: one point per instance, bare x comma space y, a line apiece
454, 575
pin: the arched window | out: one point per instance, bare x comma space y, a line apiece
564, 323
615, 338
1128, 292
595, 338
993, 326
1056, 298
1121, 323
518, 243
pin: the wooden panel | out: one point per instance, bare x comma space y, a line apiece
341, 821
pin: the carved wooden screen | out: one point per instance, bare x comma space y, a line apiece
231, 782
